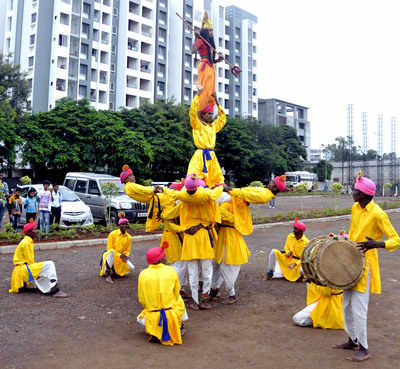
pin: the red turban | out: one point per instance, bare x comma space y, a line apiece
154, 255
208, 109
299, 225
29, 226
126, 172
280, 183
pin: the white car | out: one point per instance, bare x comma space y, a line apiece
74, 212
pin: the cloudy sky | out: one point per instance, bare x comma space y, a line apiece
325, 54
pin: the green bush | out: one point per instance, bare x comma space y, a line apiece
256, 184
301, 188
337, 188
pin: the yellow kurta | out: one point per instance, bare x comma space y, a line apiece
296, 247
171, 234
204, 136
373, 222
231, 247
158, 288
199, 208
24, 253
206, 78
240, 198
120, 244
328, 313
156, 202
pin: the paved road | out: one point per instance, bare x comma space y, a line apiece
96, 326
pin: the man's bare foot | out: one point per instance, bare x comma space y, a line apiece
231, 300
60, 295
349, 345
109, 279
184, 295
360, 355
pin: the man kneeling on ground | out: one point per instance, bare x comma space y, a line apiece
27, 273
158, 292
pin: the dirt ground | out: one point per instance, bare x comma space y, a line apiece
96, 327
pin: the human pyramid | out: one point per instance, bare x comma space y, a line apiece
204, 221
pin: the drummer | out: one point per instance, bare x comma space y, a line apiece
287, 262
323, 310
368, 224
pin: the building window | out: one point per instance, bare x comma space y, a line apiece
62, 62
31, 40
162, 35
254, 49
83, 70
30, 61
103, 76
60, 84
105, 38
131, 63
254, 35
62, 40
107, 2
82, 91
146, 12
64, 19
86, 10
103, 57
130, 101
102, 97
93, 75
8, 45
132, 44
95, 55
95, 34
96, 16
131, 82
85, 30
92, 95
9, 24
162, 18
254, 78
33, 18
105, 18
84, 51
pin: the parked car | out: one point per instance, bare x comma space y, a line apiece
74, 212
88, 187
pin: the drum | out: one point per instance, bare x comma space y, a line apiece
334, 262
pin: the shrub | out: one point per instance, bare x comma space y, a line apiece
301, 188
256, 184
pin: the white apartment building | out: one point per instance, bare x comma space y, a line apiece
121, 53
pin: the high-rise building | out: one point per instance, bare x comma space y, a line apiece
242, 31
280, 113
121, 53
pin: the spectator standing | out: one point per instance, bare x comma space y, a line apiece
16, 208
44, 198
31, 205
3, 198
56, 199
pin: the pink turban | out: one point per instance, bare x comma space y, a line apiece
123, 220
126, 172
29, 226
192, 182
280, 183
365, 185
208, 109
299, 225
154, 255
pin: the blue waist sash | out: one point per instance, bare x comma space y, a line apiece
210, 235
31, 279
164, 323
206, 156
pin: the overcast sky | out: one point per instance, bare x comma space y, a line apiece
325, 54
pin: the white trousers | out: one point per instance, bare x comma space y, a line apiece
302, 318
142, 321
206, 271
181, 269
274, 265
227, 274
355, 311
110, 261
47, 278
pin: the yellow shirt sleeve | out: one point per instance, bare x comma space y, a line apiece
174, 227
201, 195
171, 212
254, 195
393, 241
138, 192
221, 120
194, 118
226, 215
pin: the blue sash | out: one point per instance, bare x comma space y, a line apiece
31, 279
210, 236
164, 323
206, 156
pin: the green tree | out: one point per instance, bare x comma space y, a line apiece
14, 93
323, 170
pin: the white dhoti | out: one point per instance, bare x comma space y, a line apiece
274, 265
229, 274
110, 261
217, 279
181, 268
142, 321
206, 271
355, 311
47, 278
302, 318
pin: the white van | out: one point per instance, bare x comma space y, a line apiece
88, 187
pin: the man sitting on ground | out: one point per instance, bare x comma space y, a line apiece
158, 292
27, 273
115, 260
287, 262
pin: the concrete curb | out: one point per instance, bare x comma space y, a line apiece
103, 241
